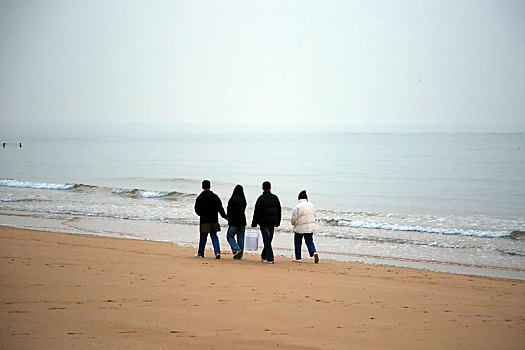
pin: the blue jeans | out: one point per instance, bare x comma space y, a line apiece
230, 236
267, 236
214, 241
308, 239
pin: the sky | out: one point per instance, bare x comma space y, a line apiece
370, 65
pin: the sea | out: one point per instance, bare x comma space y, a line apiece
449, 202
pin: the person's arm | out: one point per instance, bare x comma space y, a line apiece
257, 212
295, 211
278, 212
221, 209
229, 207
198, 209
315, 217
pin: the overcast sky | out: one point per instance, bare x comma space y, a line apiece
420, 65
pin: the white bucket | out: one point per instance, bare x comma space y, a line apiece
251, 240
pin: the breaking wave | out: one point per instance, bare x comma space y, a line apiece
133, 193
139, 193
401, 227
36, 185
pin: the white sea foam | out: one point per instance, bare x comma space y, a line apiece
37, 185
399, 227
142, 193
152, 194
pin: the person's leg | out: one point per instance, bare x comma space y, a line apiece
271, 239
265, 238
202, 243
298, 241
309, 239
230, 236
240, 240
267, 235
215, 242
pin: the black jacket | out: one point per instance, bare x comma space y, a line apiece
267, 211
236, 208
207, 206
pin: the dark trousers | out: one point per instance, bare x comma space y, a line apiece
267, 236
308, 239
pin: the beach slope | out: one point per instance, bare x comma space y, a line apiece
63, 291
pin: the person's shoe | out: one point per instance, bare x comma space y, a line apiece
217, 256
199, 256
296, 260
268, 262
237, 254
264, 261
316, 257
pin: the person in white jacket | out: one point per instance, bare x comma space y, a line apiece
303, 221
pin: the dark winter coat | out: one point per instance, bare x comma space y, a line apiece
267, 211
207, 206
235, 210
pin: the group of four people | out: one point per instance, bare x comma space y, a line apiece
267, 214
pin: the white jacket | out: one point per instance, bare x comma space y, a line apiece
303, 217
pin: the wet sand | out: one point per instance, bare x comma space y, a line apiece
63, 291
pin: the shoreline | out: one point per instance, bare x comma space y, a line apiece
63, 290
186, 236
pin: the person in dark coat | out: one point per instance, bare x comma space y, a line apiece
236, 221
208, 205
267, 214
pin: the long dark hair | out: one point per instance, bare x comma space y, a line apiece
239, 191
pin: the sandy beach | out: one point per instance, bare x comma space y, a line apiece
63, 291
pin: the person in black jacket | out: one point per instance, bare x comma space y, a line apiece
236, 221
208, 205
267, 214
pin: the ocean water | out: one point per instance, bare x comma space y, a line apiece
452, 202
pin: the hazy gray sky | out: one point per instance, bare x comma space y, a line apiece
455, 65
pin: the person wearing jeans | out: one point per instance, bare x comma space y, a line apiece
236, 221
237, 246
303, 221
208, 205
267, 214
214, 241
309, 240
